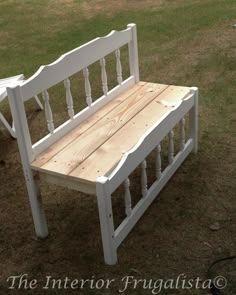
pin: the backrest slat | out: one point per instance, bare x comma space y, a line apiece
87, 87
118, 67
69, 99
48, 111
104, 75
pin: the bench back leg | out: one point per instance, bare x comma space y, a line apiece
36, 205
106, 220
24, 143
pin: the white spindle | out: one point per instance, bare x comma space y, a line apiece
104, 75
127, 196
48, 111
182, 134
144, 178
118, 67
171, 147
69, 99
87, 86
158, 161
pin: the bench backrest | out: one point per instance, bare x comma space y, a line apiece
60, 70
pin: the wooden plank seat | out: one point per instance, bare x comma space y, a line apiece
96, 146
97, 149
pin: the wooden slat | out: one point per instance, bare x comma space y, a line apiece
169, 99
67, 139
45, 142
69, 182
107, 156
85, 144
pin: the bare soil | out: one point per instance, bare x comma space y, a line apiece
175, 235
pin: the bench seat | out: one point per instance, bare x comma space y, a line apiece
96, 146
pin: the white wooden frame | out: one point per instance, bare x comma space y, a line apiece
67, 65
6, 82
106, 185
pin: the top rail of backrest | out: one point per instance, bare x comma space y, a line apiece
76, 60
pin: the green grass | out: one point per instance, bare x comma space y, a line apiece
181, 42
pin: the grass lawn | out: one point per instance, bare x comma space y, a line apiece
181, 42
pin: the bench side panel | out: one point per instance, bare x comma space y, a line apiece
147, 143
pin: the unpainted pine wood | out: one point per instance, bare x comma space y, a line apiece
107, 156
84, 145
72, 135
174, 96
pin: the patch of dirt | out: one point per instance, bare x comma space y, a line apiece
220, 39
174, 235
91, 8
5, 39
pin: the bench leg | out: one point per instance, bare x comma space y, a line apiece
35, 200
193, 120
6, 126
106, 220
38, 103
26, 154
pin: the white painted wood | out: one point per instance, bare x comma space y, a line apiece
25, 147
133, 53
63, 129
171, 147
65, 66
118, 67
7, 82
106, 220
125, 227
87, 87
18, 112
193, 120
127, 197
68, 182
158, 162
38, 103
7, 126
104, 75
144, 178
147, 142
69, 99
182, 133
48, 111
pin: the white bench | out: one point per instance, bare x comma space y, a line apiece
97, 149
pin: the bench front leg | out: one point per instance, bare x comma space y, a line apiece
106, 220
